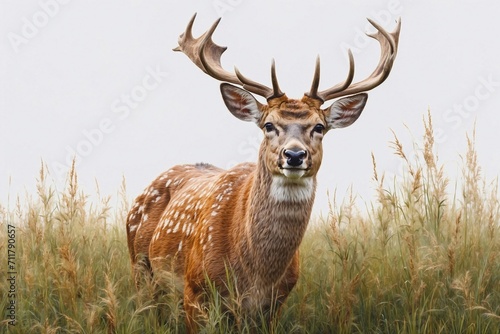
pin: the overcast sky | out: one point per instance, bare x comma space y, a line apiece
98, 79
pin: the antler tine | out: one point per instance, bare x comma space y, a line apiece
337, 88
205, 54
186, 34
388, 46
189, 45
210, 55
392, 38
267, 92
276, 88
313, 93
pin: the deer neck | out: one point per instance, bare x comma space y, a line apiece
278, 213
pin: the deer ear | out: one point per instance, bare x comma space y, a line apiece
241, 103
345, 111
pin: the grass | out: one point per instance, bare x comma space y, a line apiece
422, 259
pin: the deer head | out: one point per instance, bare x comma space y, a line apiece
293, 129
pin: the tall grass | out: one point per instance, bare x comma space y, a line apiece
423, 258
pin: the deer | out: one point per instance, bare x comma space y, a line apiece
198, 220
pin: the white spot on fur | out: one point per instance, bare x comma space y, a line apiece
176, 228
132, 228
161, 223
168, 183
180, 246
189, 229
164, 224
285, 190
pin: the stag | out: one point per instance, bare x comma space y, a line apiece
197, 221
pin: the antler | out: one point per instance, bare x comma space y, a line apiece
206, 55
389, 47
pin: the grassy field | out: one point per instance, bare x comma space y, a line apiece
424, 258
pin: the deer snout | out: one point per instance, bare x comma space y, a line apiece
295, 158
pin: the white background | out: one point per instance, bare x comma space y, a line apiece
68, 67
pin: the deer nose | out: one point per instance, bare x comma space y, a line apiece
295, 158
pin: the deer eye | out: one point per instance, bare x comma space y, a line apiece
269, 127
319, 128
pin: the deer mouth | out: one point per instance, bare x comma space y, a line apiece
293, 172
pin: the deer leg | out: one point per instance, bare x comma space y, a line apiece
191, 307
281, 293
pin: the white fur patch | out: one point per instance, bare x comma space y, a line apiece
286, 190
293, 173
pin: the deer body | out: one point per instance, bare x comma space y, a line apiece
231, 221
199, 220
